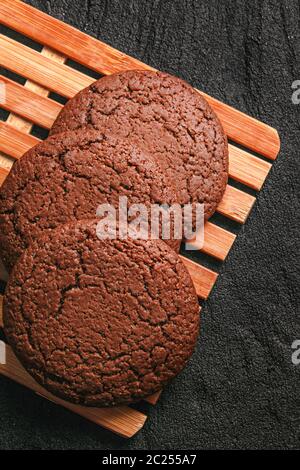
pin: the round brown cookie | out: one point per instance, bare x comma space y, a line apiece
66, 177
171, 119
100, 322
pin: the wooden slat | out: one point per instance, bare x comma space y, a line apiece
203, 278
64, 38
3, 272
247, 168
217, 241
13, 142
245, 130
122, 420
235, 203
40, 69
98, 56
31, 106
154, 398
21, 122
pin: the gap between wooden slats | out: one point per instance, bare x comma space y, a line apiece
98, 56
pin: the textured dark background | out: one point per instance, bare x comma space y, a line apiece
240, 389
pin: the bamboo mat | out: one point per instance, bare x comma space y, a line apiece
30, 105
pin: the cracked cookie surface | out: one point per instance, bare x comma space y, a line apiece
169, 118
66, 177
100, 322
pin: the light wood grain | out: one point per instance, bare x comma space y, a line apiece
24, 101
40, 69
13, 142
29, 105
246, 168
203, 278
31, 96
236, 204
100, 57
154, 398
122, 420
217, 241
246, 130
23, 121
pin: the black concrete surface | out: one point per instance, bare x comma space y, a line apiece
240, 389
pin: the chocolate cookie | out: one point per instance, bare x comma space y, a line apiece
100, 322
171, 119
66, 177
